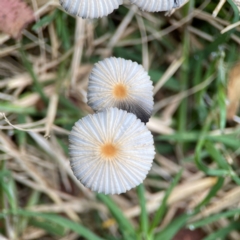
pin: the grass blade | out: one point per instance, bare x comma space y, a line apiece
36, 84
56, 219
143, 216
8, 107
163, 207
223, 232
216, 156
124, 224
211, 193
214, 218
170, 231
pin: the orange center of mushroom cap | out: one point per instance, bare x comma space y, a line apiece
120, 91
109, 150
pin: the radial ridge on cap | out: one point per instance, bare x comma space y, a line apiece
110, 151
157, 5
90, 8
116, 82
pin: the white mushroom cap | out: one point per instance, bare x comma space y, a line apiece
111, 151
116, 82
157, 5
90, 8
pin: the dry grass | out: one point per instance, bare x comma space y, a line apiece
43, 84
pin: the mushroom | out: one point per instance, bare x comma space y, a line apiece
90, 8
157, 5
110, 151
116, 82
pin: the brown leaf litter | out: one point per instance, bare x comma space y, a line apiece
15, 15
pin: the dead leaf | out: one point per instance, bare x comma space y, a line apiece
186, 234
233, 91
14, 16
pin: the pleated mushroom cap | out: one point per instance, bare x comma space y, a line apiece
90, 8
110, 151
116, 82
157, 5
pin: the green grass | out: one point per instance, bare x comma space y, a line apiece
37, 192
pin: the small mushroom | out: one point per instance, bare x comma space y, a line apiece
110, 151
116, 82
90, 8
157, 5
